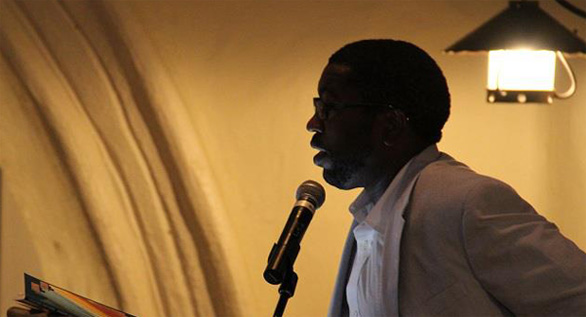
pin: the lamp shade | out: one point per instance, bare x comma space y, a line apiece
523, 25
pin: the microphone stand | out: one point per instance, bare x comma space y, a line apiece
286, 290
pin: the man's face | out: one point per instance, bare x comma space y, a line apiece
344, 139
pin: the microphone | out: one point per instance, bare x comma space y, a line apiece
310, 196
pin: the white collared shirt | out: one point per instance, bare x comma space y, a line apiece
372, 288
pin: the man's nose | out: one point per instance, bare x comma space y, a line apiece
315, 124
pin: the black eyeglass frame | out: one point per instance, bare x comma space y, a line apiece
322, 109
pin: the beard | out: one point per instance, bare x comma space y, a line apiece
345, 172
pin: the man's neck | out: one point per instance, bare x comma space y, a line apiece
376, 190
383, 178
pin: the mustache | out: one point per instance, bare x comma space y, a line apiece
316, 142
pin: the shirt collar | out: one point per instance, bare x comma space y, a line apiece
366, 200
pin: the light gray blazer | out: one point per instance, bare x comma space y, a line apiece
472, 247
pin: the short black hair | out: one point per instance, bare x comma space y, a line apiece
402, 74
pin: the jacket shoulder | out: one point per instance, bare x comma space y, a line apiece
448, 181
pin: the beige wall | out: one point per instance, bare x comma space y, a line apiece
248, 71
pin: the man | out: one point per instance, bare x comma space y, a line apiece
430, 236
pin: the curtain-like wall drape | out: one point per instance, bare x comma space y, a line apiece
104, 164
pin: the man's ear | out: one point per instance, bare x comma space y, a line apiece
395, 126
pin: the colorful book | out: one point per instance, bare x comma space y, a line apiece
43, 296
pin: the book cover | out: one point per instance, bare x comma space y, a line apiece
47, 297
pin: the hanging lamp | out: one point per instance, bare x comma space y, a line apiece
523, 42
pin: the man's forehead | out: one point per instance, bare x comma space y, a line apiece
333, 77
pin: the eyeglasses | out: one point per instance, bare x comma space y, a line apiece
322, 109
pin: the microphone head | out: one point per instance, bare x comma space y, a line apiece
313, 191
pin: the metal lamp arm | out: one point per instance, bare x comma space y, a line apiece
570, 92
